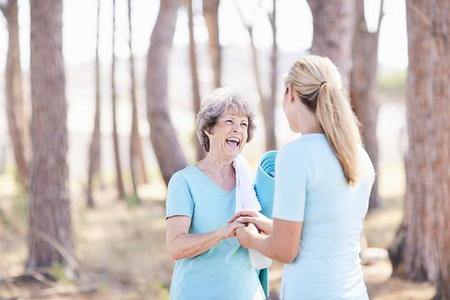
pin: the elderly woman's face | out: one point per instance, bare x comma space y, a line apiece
229, 135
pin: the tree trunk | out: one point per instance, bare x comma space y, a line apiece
162, 135
50, 227
333, 33
363, 88
117, 160
267, 103
396, 251
194, 75
269, 132
211, 15
428, 190
17, 121
271, 140
417, 163
439, 206
137, 160
95, 146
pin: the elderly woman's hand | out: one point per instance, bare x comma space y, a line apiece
246, 235
262, 223
229, 230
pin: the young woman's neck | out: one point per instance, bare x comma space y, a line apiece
314, 128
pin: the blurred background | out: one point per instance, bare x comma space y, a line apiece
98, 101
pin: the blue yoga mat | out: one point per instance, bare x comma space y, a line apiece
264, 187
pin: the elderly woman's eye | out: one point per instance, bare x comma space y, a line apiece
229, 121
245, 125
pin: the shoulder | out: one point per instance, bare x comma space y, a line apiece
181, 176
297, 150
294, 158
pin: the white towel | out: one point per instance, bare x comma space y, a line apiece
246, 200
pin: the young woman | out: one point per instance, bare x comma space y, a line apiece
322, 186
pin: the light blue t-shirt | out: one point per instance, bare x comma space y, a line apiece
224, 272
310, 187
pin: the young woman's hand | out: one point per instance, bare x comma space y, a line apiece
246, 235
262, 223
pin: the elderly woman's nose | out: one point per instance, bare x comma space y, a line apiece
237, 128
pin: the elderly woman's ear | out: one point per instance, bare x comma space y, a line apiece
208, 132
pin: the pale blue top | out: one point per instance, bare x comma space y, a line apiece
224, 271
310, 187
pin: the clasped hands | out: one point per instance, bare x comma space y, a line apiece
247, 226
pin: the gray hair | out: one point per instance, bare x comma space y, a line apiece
216, 104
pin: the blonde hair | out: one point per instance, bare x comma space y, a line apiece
317, 82
218, 102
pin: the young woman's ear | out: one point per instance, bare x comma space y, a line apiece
289, 92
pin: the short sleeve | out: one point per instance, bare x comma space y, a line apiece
291, 181
179, 200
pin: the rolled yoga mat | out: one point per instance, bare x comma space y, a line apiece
264, 187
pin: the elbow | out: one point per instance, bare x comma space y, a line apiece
176, 256
287, 259
174, 252
287, 256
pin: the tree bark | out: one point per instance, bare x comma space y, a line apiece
17, 121
417, 164
428, 190
95, 146
267, 102
211, 15
137, 160
117, 160
439, 206
363, 88
396, 251
271, 140
333, 33
50, 227
194, 75
162, 135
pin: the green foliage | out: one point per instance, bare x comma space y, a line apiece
21, 184
14, 214
61, 273
20, 207
3, 217
161, 290
132, 200
392, 82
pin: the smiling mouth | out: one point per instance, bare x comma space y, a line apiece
233, 142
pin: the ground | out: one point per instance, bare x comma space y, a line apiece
122, 256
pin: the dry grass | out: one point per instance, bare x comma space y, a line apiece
122, 250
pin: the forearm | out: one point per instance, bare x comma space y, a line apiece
263, 243
275, 250
189, 245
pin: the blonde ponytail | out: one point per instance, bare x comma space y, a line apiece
341, 129
317, 82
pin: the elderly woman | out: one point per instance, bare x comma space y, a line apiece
210, 263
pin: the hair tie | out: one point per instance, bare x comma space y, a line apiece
322, 83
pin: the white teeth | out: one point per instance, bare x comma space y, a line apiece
233, 142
